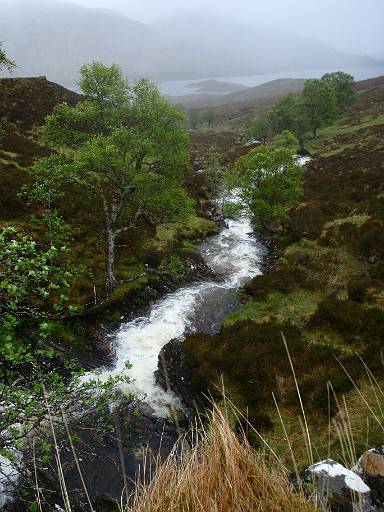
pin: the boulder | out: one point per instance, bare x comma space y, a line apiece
175, 373
337, 488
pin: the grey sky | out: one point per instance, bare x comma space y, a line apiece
351, 25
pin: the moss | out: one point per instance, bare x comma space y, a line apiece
196, 228
295, 307
356, 220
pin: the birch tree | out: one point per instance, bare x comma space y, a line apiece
128, 149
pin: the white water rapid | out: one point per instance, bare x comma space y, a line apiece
236, 254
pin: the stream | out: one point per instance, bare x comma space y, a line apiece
236, 255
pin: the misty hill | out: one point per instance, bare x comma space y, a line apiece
216, 86
248, 95
55, 39
221, 47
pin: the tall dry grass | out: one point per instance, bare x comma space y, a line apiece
221, 473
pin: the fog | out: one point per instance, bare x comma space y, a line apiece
169, 40
351, 25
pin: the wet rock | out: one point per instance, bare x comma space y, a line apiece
175, 373
370, 467
338, 489
101, 345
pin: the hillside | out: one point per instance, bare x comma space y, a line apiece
322, 287
236, 115
24, 103
239, 98
216, 86
323, 290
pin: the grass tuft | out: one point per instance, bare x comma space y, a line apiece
222, 473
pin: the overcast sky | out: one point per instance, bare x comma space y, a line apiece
352, 25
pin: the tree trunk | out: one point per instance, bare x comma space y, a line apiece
111, 258
314, 131
110, 225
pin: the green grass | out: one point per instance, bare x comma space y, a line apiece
329, 268
339, 149
343, 127
295, 307
358, 423
11, 154
356, 220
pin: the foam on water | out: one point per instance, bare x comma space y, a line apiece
236, 254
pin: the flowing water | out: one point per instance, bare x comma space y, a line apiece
236, 254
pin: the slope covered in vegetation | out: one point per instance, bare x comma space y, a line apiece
323, 291
24, 104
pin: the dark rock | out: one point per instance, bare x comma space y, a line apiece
114, 450
106, 504
175, 373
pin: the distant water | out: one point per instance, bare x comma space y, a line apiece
179, 87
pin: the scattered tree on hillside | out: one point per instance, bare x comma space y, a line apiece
260, 129
209, 117
319, 103
301, 121
128, 150
343, 85
270, 181
285, 139
281, 114
4, 61
194, 119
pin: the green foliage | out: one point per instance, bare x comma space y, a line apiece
213, 172
319, 103
174, 266
34, 300
260, 129
4, 61
343, 84
270, 181
285, 139
128, 150
194, 119
33, 291
104, 86
231, 210
281, 114
162, 199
